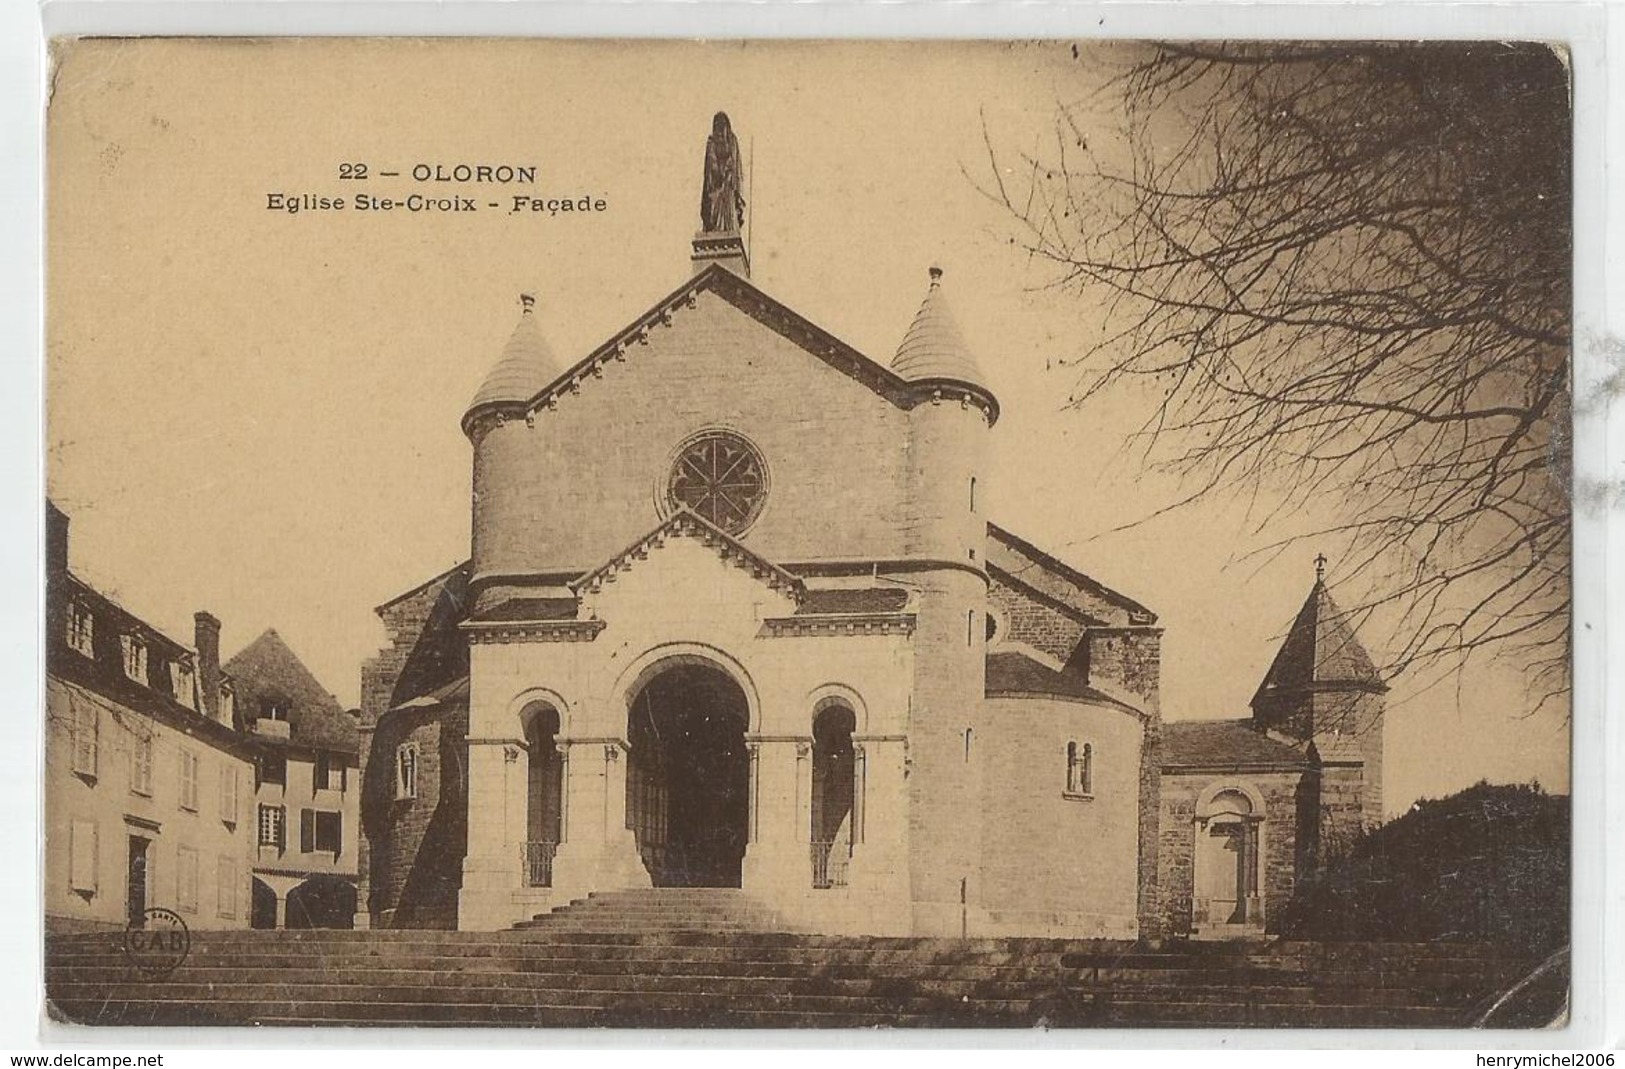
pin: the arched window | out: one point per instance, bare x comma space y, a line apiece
406, 770
834, 815
544, 825
1080, 770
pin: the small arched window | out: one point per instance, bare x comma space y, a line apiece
1080, 772
406, 770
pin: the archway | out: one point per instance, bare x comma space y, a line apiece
688, 777
321, 902
833, 768
1227, 835
262, 905
544, 792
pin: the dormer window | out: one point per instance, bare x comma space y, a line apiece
81, 628
183, 679
274, 709
135, 657
228, 706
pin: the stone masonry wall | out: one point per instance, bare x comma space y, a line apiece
424, 651
1030, 618
1127, 657
418, 843
1055, 863
1177, 842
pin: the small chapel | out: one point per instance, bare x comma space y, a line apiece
734, 616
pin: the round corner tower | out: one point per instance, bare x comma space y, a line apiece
505, 499
945, 540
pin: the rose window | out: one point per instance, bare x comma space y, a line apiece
722, 478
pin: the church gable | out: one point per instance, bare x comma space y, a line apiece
742, 295
590, 465
690, 572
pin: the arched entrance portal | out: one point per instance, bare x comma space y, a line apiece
1227, 853
688, 777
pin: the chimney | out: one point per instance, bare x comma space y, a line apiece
56, 541
206, 637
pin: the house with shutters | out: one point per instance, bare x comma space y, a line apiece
306, 789
148, 785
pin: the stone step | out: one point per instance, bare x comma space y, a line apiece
760, 962
309, 1014
599, 946
409, 986
548, 969
690, 1013
544, 990
1135, 1013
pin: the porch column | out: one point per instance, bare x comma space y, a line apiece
776, 859
880, 818
497, 783
598, 851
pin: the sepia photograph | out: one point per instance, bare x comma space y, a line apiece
807, 534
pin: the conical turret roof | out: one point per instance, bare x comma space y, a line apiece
933, 347
527, 364
1320, 652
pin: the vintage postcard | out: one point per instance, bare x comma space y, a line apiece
807, 534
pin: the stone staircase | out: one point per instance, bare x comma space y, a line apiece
663, 909
703, 957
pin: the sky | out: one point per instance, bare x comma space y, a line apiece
256, 412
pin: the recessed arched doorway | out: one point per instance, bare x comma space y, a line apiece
321, 902
688, 775
1227, 857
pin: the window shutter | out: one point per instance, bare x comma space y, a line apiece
307, 830
329, 831
82, 856
188, 779
225, 886
84, 739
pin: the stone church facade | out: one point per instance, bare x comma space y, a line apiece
734, 615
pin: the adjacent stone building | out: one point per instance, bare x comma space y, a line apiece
735, 615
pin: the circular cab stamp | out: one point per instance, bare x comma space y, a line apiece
157, 943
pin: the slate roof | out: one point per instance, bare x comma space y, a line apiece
453, 693
869, 600
933, 348
267, 668
526, 366
1093, 601
1011, 673
524, 608
1226, 744
1320, 652
102, 674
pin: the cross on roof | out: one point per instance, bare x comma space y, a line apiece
1320, 567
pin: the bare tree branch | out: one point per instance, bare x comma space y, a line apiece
1345, 269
